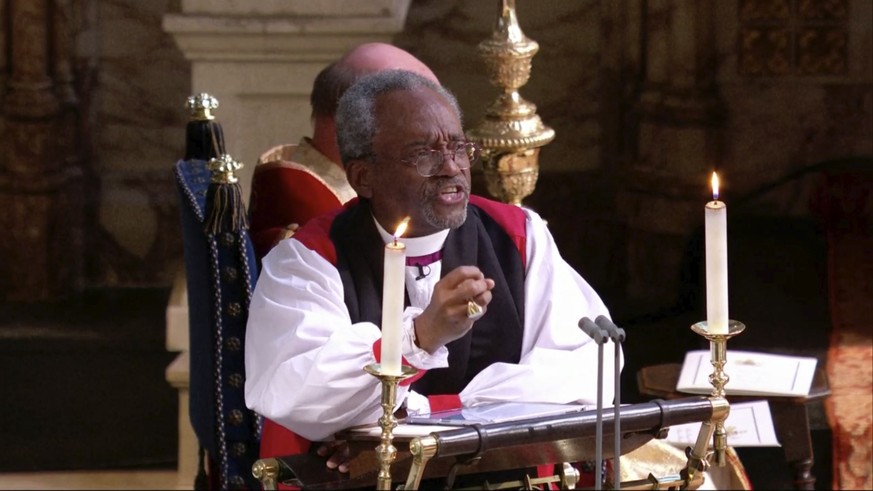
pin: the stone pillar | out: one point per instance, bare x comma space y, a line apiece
680, 116
259, 59
41, 218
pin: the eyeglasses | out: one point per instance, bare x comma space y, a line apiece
429, 161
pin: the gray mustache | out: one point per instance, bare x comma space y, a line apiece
439, 182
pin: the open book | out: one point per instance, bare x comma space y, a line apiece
450, 419
749, 424
496, 412
750, 373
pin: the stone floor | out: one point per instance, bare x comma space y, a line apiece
121, 480
83, 384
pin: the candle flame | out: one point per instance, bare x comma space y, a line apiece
401, 228
714, 186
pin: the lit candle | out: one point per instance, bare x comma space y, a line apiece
716, 263
393, 284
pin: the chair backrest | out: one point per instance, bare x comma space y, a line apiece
221, 271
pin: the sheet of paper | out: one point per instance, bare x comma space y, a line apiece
750, 373
749, 424
493, 413
400, 431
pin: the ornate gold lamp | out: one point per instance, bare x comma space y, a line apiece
511, 133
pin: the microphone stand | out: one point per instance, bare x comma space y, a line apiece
600, 337
617, 335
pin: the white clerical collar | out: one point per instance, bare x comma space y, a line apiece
417, 246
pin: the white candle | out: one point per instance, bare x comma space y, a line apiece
716, 263
393, 285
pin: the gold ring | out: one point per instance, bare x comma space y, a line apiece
474, 310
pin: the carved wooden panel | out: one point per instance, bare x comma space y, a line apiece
823, 9
793, 37
765, 51
764, 10
822, 51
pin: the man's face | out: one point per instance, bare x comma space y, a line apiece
409, 123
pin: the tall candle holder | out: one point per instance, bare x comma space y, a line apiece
386, 452
718, 378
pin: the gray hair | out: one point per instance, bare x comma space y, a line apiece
356, 113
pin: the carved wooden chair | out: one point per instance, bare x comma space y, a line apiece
221, 271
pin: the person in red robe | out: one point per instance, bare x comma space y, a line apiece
295, 182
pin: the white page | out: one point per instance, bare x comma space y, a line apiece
496, 412
750, 373
749, 424
401, 431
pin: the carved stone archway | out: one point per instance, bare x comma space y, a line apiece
41, 174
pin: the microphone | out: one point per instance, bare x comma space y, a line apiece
423, 263
600, 336
423, 271
617, 335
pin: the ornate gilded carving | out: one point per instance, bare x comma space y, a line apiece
235, 418
822, 51
233, 343
238, 450
224, 168
764, 10
234, 309
230, 274
236, 380
516, 175
511, 132
227, 239
799, 37
40, 176
765, 51
200, 106
823, 9
30, 87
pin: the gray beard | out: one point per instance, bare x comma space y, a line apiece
428, 195
442, 223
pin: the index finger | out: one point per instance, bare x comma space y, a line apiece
461, 274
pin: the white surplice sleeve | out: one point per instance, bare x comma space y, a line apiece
304, 358
558, 361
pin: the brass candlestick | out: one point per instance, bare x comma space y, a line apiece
386, 451
511, 133
718, 379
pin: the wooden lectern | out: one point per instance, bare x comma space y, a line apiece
447, 452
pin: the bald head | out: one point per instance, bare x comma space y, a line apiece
375, 57
332, 82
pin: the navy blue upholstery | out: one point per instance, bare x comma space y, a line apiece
221, 271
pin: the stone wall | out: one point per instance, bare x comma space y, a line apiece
137, 132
